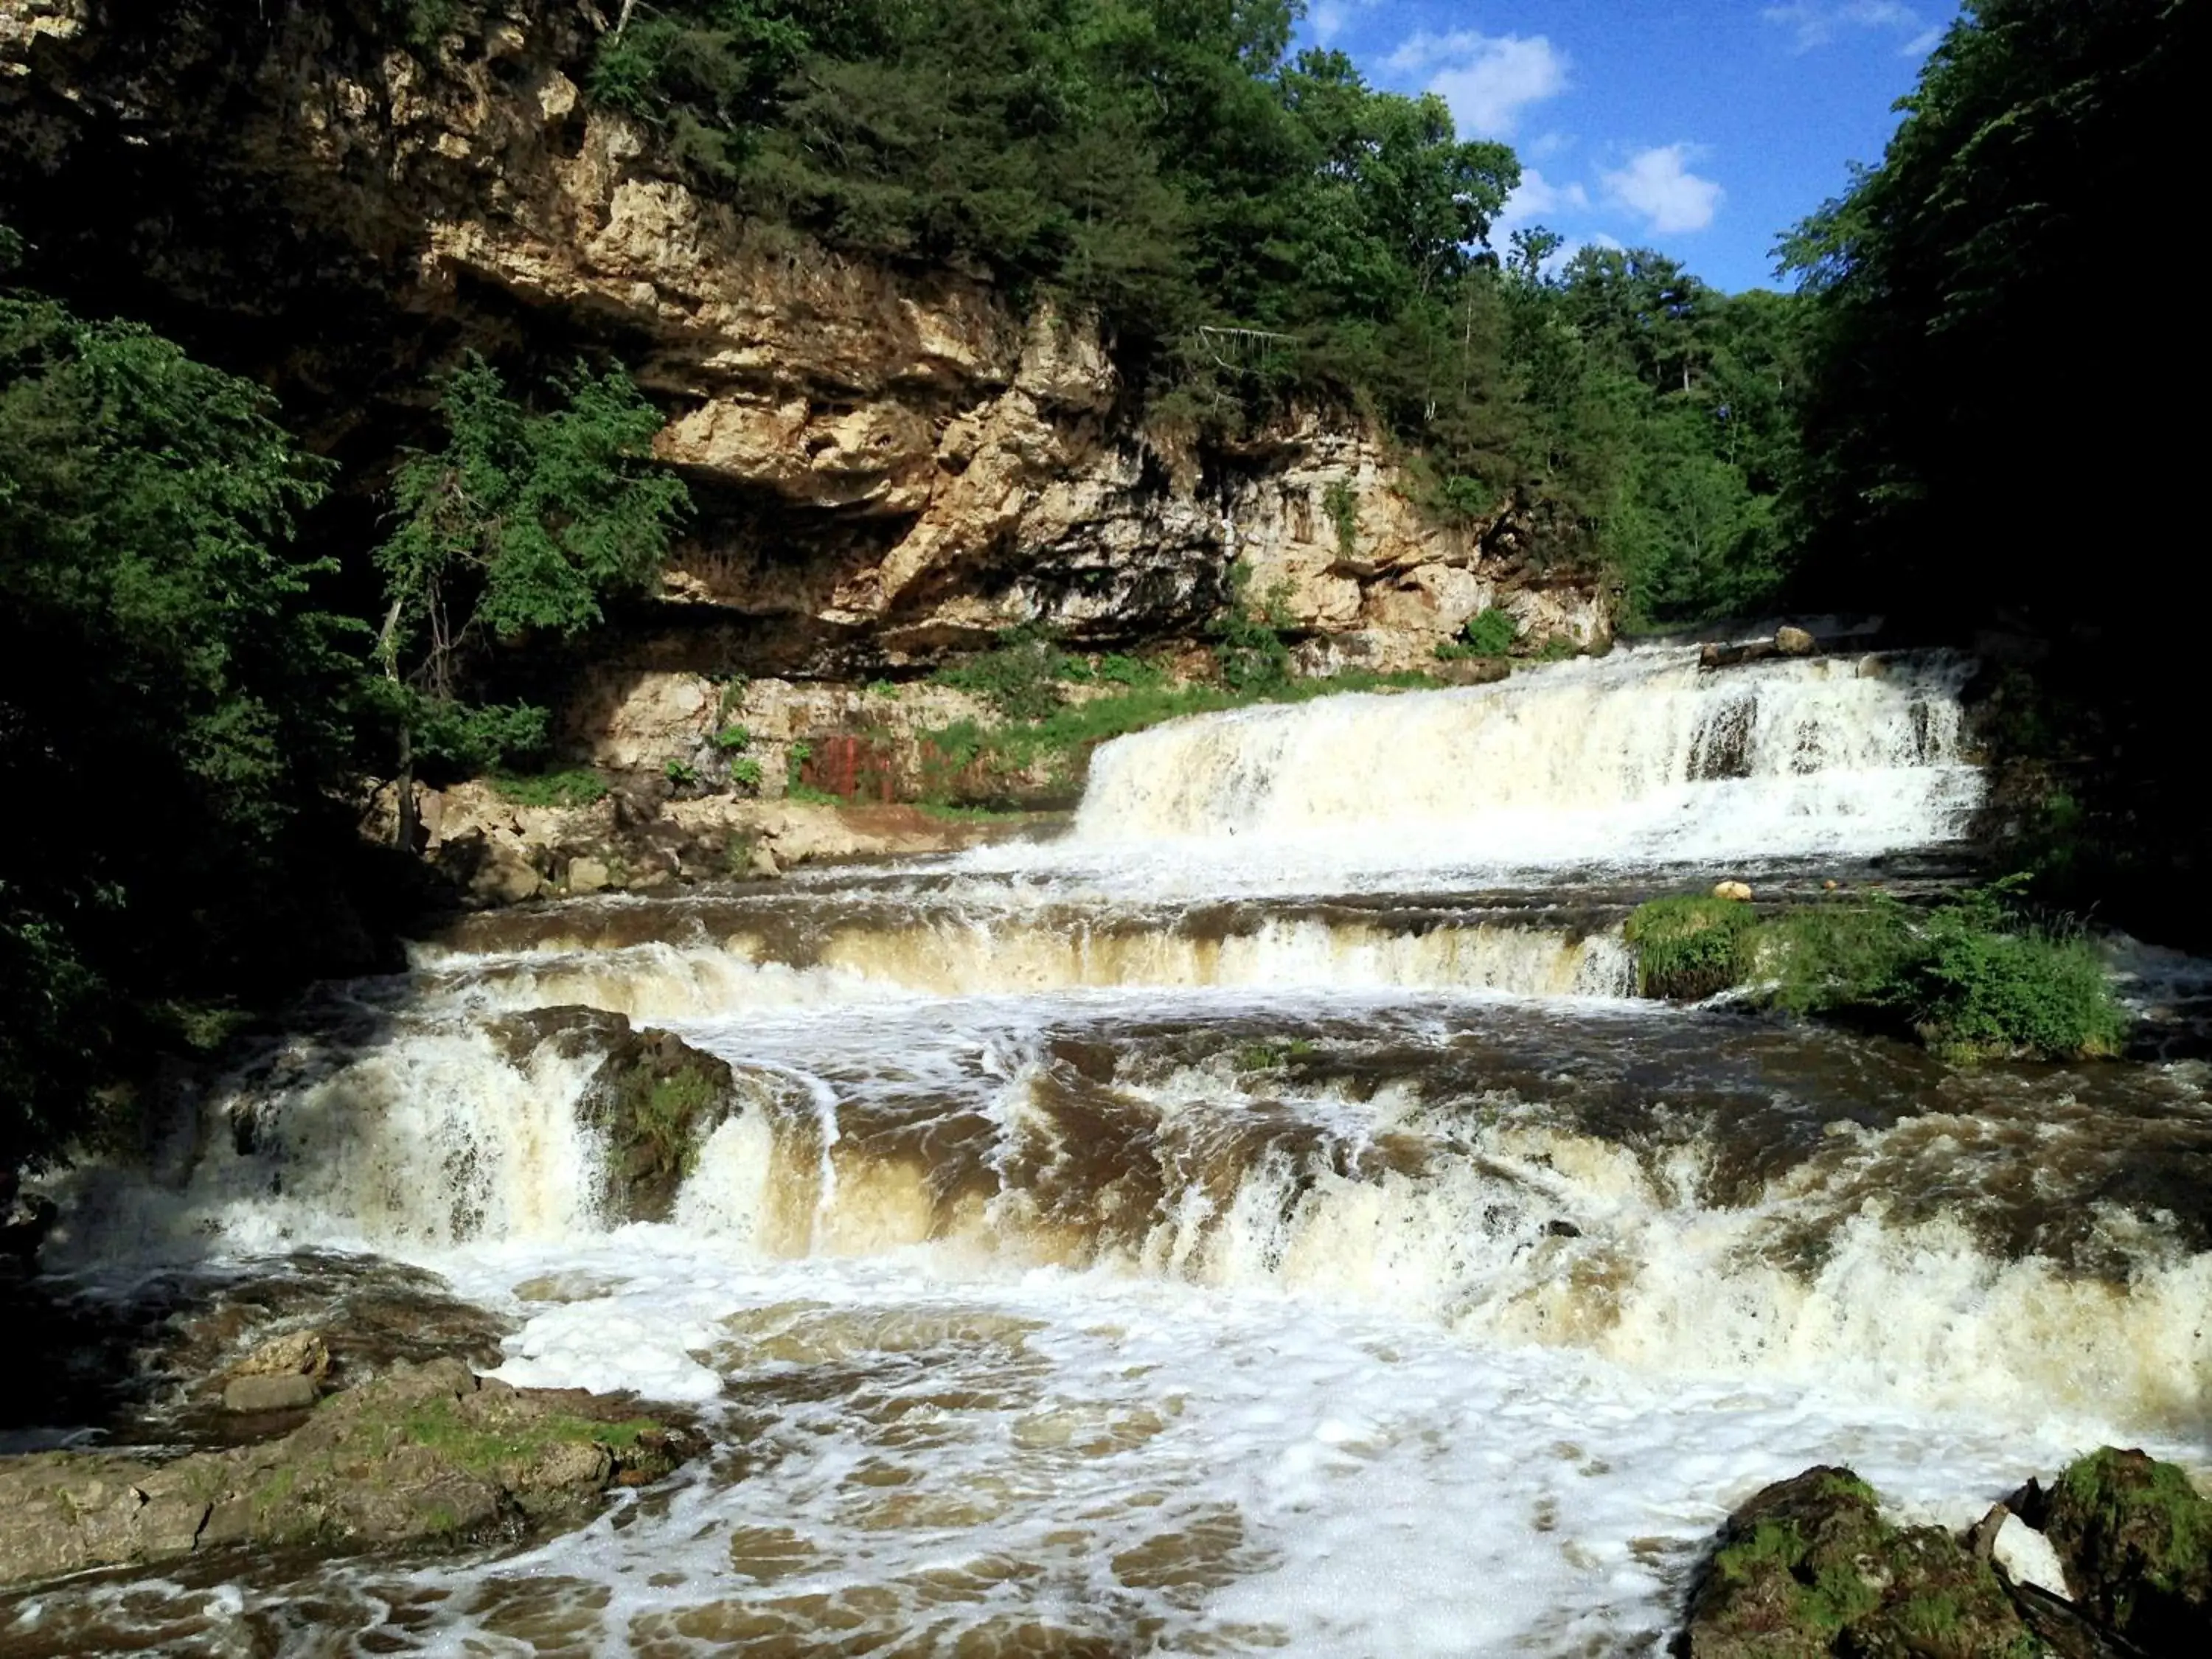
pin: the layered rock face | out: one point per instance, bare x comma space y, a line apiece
890, 463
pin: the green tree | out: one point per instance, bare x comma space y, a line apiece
175, 710
1991, 435
522, 524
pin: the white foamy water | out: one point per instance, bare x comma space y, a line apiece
1638, 759
1086, 1269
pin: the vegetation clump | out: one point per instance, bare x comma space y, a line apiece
1975, 977
1489, 633
567, 787
1020, 676
1690, 948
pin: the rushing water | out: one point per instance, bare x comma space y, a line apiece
1259, 1222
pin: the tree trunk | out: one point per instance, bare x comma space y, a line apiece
403, 836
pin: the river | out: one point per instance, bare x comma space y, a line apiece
1259, 1220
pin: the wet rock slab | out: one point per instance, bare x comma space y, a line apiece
427, 1452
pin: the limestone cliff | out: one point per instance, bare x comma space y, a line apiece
890, 463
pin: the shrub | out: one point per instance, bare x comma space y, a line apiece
1690, 948
1130, 670
1491, 634
1341, 502
1251, 650
1975, 977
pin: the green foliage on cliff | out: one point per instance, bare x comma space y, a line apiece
521, 526
174, 704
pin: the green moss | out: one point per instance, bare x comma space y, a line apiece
1848, 1485
274, 1490
2152, 1504
1771, 1543
1688, 948
1273, 1056
439, 1427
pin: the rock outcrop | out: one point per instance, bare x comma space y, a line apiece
652, 1096
424, 1453
2134, 1539
890, 463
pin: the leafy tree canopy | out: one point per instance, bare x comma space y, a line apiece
522, 524
174, 704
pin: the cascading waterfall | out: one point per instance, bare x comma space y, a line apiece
1631, 759
1283, 1141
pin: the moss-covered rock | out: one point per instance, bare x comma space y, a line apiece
425, 1453
1807, 1568
653, 1097
1689, 948
2135, 1539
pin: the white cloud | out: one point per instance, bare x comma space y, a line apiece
1817, 25
1488, 79
1537, 195
1921, 44
1658, 184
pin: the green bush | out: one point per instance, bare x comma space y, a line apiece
1975, 977
1690, 948
1341, 502
1492, 634
1135, 671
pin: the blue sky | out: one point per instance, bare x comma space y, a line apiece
1703, 128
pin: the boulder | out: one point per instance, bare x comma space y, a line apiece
1738, 891
295, 1353
426, 1453
1808, 1569
588, 876
2134, 1538
653, 1095
1794, 642
250, 1395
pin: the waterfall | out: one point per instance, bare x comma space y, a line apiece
1640, 758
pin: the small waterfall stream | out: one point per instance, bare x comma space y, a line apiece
1262, 1220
